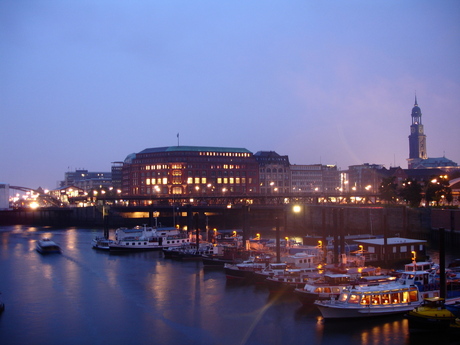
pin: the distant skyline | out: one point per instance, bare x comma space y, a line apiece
84, 84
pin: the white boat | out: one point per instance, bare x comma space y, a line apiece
368, 300
245, 270
147, 238
327, 286
47, 246
101, 243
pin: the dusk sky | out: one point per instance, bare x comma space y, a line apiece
86, 83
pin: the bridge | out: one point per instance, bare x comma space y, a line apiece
46, 199
232, 200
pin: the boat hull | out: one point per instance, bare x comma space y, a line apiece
331, 311
101, 243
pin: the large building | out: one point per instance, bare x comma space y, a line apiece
365, 177
87, 180
418, 157
314, 178
274, 172
191, 170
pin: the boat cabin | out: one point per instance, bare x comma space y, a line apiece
377, 297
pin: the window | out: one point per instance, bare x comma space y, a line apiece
354, 299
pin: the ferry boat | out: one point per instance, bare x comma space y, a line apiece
397, 297
47, 246
147, 238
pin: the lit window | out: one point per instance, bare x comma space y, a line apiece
189, 180
165, 180
225, 180
232, 180
203, 180
147, 182
197, 180
219, 180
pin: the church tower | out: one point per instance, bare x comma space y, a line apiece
417, 138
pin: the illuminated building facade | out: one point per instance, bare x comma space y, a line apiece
190, 170
307, 178
87, 180
274, 172
365, 177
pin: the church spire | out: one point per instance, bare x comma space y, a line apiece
415, 98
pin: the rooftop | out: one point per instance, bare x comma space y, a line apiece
390, 241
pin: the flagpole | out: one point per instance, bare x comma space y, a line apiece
178, 139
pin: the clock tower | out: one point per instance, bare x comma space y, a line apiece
417, 138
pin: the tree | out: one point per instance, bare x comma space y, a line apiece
437, 190
388, 189
411, 192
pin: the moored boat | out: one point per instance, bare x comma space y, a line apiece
225, 255
101, 243
326, 286
188, 251
47, 246
290, 279
147, 238
245, 270
392, 298
431, 315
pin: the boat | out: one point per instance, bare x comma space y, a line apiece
431, 315
290, 279
273, 268
366, 300
101, 243
224, 254
245, 270
188, 251
142, 238
453, 305
326, 286
47, 246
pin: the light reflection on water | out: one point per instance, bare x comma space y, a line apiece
87, 296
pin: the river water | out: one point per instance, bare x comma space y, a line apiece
84, 296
